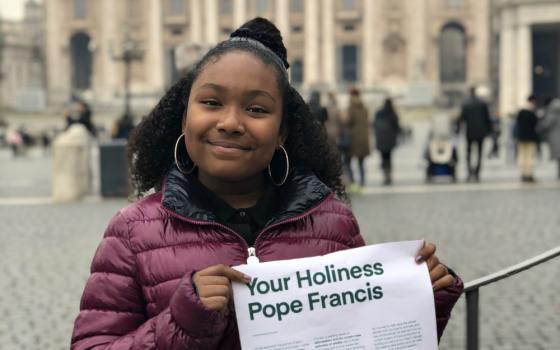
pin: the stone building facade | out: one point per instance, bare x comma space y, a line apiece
21, 61
528, 36
417, 49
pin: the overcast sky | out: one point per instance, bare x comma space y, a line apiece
12, 9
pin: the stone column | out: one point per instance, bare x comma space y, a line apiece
417, 43
369, 44
195, 21
328, 44
154, 63
478, 59
283, 20
57, 54
211, 22
524, 65
109, 67
311, 45
239, 12
507, 64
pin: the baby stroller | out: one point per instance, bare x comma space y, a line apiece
441, 150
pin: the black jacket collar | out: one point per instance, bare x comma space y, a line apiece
302, 191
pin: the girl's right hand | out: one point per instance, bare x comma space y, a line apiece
213, 285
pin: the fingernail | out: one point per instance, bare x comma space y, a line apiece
419, 258
247, 278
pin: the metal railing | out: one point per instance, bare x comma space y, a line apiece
471, 291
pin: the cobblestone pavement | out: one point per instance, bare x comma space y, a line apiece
477, 233
45, 250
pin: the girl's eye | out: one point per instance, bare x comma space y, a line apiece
211, 103
256, 109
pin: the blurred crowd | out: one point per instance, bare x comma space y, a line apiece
356, 133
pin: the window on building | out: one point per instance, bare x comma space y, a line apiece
350, 63
262, 6
452, 3
453, 53
226, 6
296, 5
176, 31
81, 61
296, 68
348, 4
349, 27
171, 72
80, 9
176, 7
297, 29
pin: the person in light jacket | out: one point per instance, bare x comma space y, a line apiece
357, 121
240, 170
549, 128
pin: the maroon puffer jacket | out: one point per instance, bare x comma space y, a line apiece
140, 294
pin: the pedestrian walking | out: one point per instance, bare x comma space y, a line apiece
476, 118
387, 129
80, 113
240, 169
338, 132
549, 128
527, 139
495, 134
359, 131
316, 108
333, 124
123, 127
15, 142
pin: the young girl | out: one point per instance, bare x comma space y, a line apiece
241, 170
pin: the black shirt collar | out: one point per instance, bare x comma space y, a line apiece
260, 213
301, 191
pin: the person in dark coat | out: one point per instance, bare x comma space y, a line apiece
238, 176
124, 127
476, 118
81, 114
527, 139
316, 108
386, 127
84, 117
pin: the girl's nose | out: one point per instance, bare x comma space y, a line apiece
231, 121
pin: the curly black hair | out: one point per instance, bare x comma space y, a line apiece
151, 146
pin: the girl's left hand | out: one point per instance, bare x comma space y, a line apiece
439, 274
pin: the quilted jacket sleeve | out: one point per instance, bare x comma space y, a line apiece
112, 309
445, 299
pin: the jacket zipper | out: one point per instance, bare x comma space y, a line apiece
287, 221
252, 257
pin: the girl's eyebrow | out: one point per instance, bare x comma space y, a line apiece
213, 86
254, 93
223, 89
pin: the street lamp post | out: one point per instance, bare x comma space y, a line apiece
2, 41
131, 51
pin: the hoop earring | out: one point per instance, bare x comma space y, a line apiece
177, 163
287, 171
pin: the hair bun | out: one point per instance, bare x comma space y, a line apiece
263, 31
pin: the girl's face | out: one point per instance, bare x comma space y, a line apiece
233, 118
